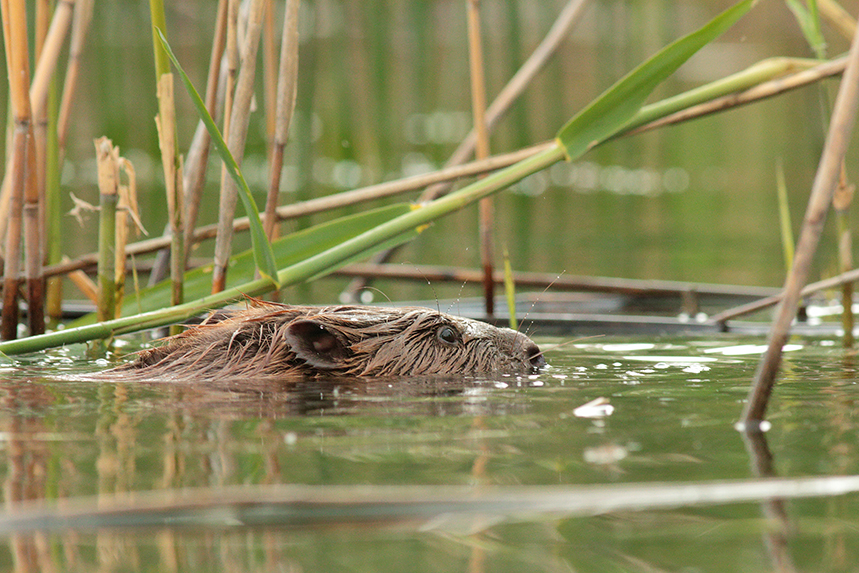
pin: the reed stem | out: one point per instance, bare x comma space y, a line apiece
238, 128
108, 178
823, 189
287, 90
841, 202
198, 156
219, 278
170, 160
478, 109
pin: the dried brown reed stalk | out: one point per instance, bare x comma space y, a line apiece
198, 155
478, 109
841, 201
80, 28
269, 76
40, 121
126, 212
287, 89
84, 284
823, 189
772, 300
238, 127
23, 189
166, 122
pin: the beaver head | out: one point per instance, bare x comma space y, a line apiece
275, 340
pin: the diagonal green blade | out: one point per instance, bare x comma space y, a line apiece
261, 247
617, 105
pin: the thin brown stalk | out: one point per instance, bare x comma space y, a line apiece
633, 287
40, 117
33, 242
269, 76
126, 212
198, 154
568, 16
84, 284
287, 89
478, 109
232, 57
166, 123
823, 189
239, 120
49, 56
841, 202
80, 28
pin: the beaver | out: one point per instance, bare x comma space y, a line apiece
273, 340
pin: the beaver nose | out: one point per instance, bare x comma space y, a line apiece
535, 356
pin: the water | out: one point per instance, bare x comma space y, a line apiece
674, 400
382, 95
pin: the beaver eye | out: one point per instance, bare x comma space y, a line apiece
447, 334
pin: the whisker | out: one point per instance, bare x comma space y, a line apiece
429, 283
566, 342
458, 299
536, 300
380, 291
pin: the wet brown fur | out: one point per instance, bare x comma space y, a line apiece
274, 340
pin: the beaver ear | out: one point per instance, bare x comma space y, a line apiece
316, 344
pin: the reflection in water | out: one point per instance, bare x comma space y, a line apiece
776, 539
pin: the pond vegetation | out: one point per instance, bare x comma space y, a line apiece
624, 454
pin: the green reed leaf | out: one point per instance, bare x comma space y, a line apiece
607, 114
263, 255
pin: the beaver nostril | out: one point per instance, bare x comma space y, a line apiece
535, 356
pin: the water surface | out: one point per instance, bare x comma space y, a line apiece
673, 403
